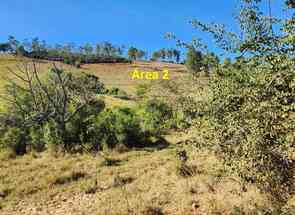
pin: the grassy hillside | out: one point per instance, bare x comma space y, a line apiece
143, 181
214, 138
118, 75
113, 75
152, 180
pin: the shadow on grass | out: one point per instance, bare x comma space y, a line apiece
155, 144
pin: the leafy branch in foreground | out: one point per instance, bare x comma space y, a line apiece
252, 105
252, 102
258, 37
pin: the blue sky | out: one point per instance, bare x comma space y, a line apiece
139, 23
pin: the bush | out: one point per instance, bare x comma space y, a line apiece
56, 110
90, 82
15, 139
189, 109
118, 126
253, 111
116, 92
142, 90
51, 135
69, 60
113, 91
37, 141
77, 128
194, 61
156, 116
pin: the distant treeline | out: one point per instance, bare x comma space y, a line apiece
167, 55
164, 55
69, 53
100, 53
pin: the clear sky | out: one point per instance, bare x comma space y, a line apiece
141, 23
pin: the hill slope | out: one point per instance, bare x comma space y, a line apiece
113, 75
139, 181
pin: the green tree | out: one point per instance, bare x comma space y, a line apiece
132, 53
251, 105
156, 56
5, 47
98, 49
163, 53
121, 50
36, 45
88, 49
194, 61
140, 54
20, 51
176, 54
210, 61
13, 43
108, 49
170, 54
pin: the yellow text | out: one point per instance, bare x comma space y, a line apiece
150, 75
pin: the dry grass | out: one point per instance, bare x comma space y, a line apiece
120, 75
111, 101
113, 75
143, 182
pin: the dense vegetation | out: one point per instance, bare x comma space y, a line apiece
64, 111
136, 54
252, 101
69, 53
250, 107
170, 55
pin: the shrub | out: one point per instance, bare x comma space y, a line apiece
37, 141
110, 162
88, 82
117, 92
76, 131
182, 168
51, 134
194, 61
188, 110
118, 126
156, 116
253, 112
142, 90
77, 128
56, 110
113, 91
15, 139
68, 60
120, 181
253, 99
